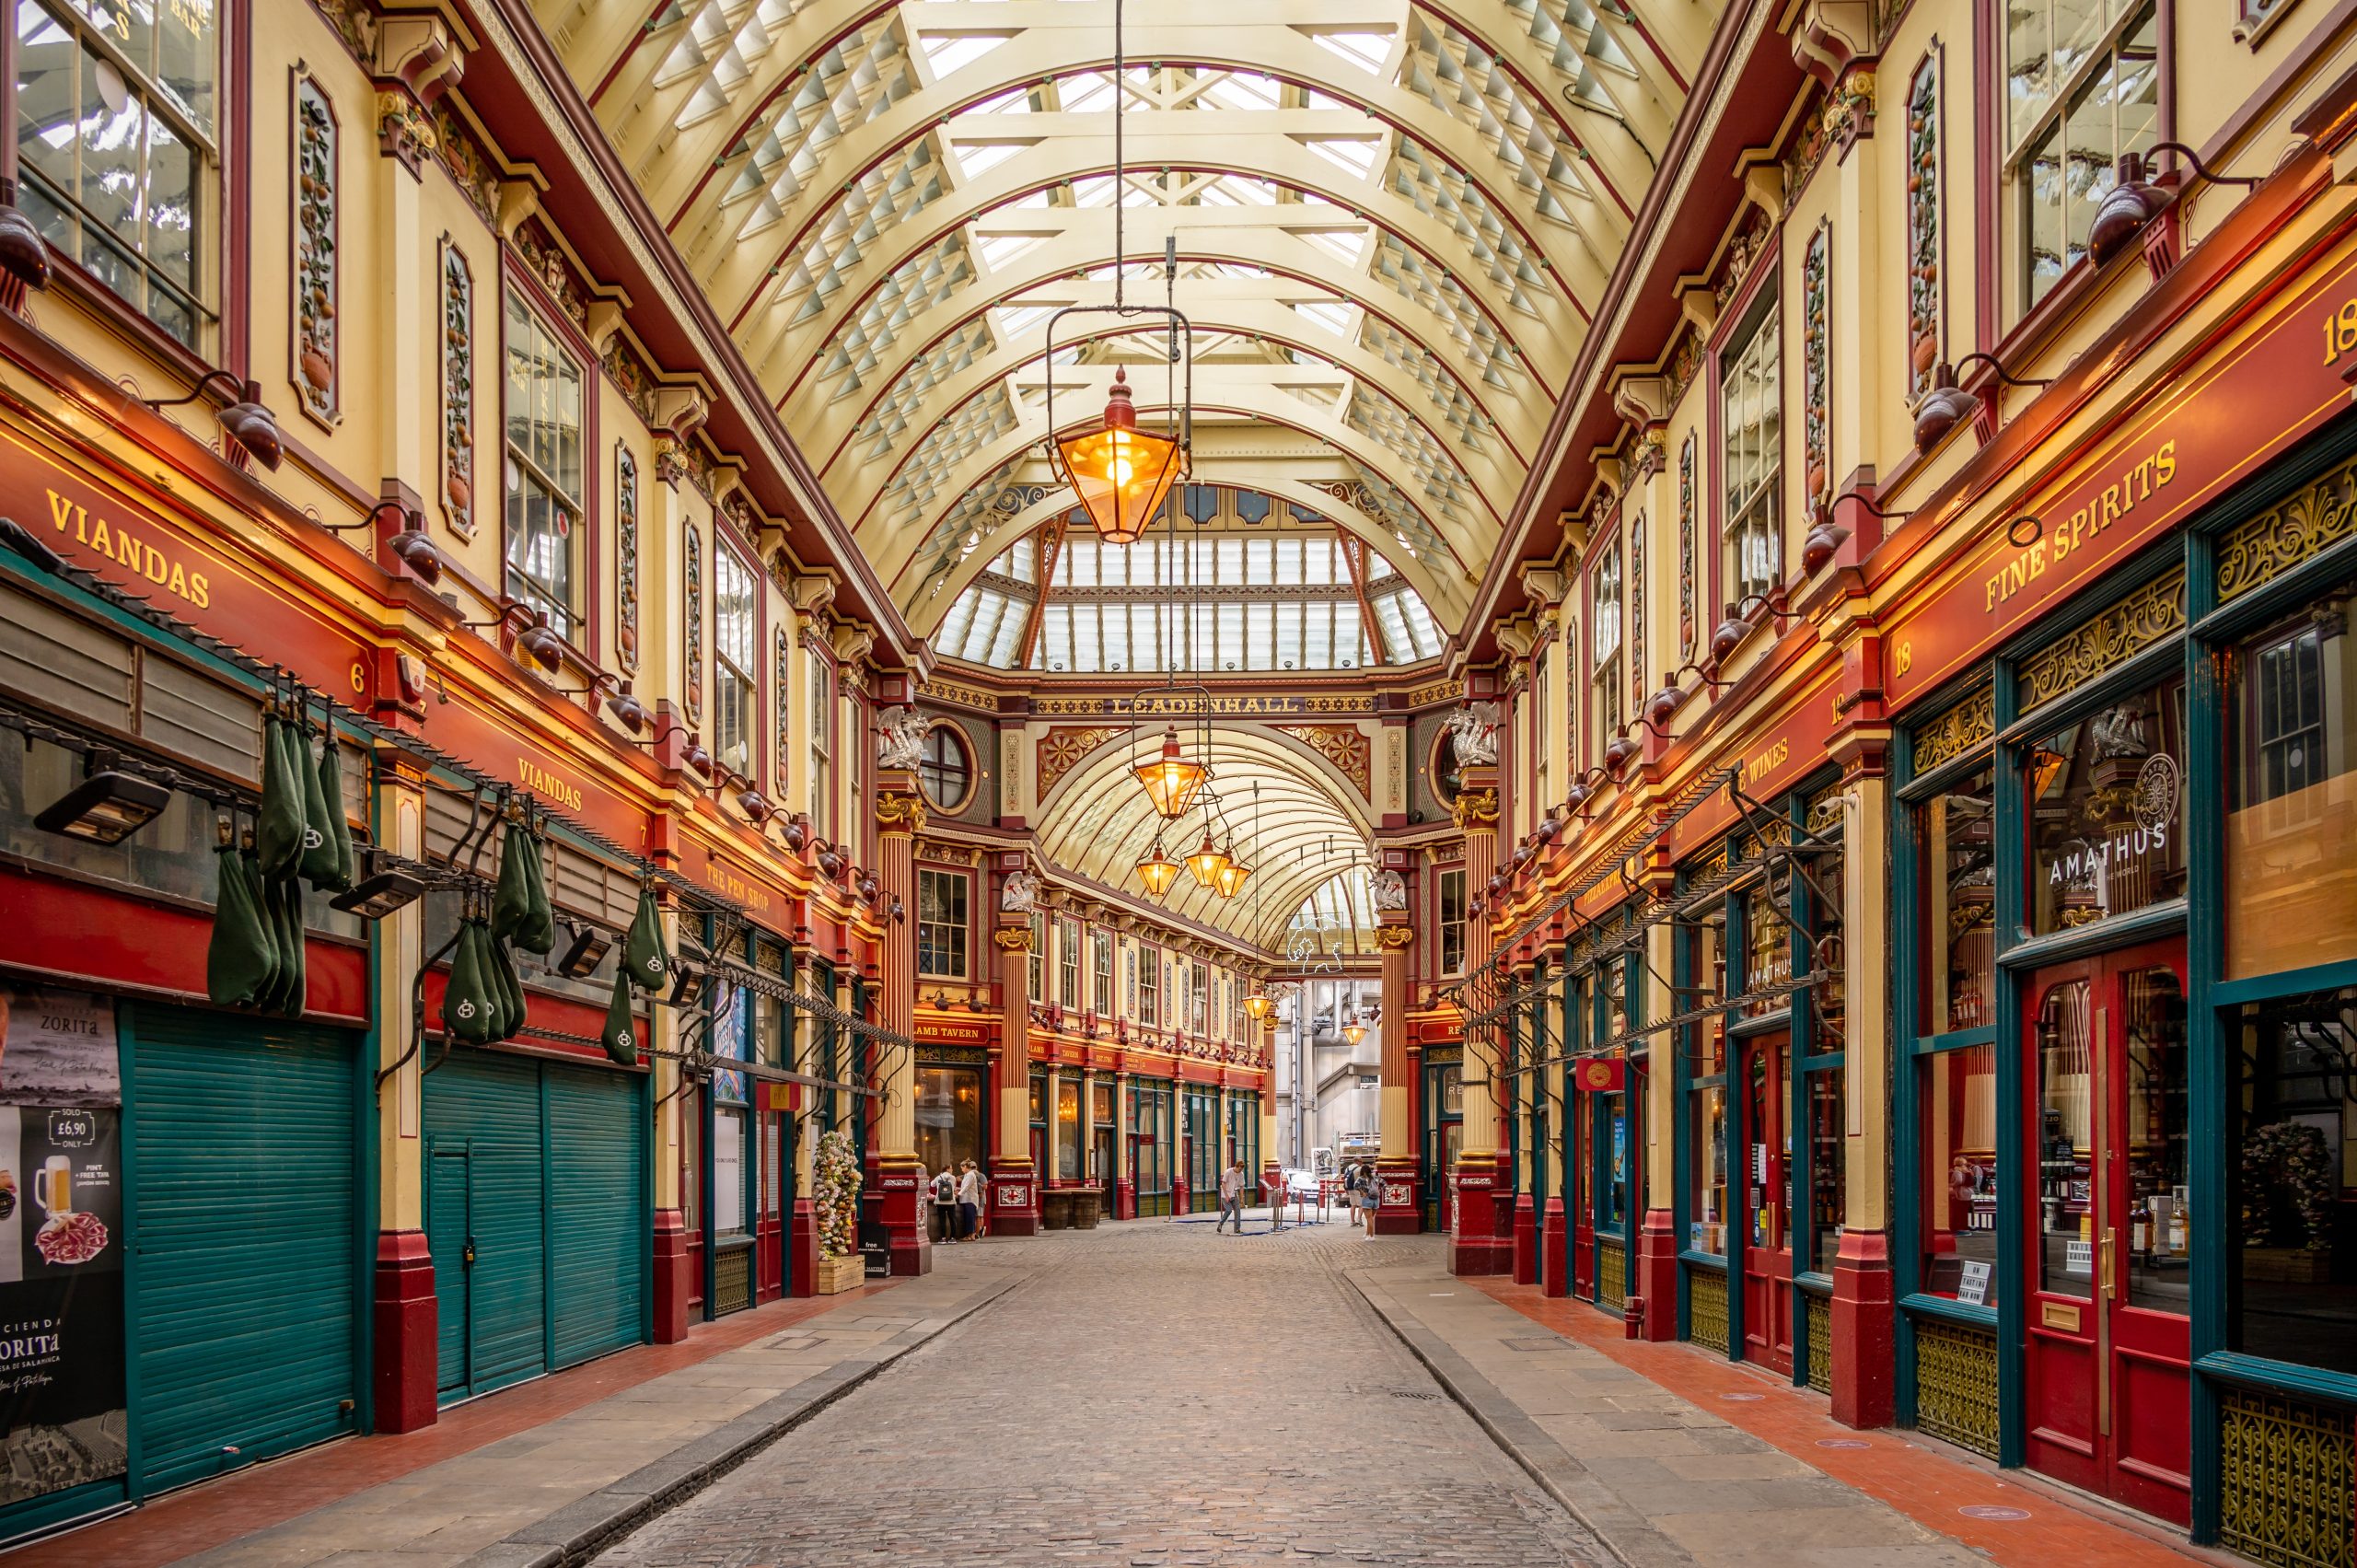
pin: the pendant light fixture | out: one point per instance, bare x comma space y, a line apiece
1171, 779
1122, 474
1231, 878
1209, 859
1156, 869
1352, 1031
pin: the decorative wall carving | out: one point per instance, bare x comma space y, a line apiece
1636, 660
1817, 361
2127, 628
1686, 623
316, 193
1062, 747
626, 543
469, 162
691, 686
2255, 552
457, 391
782, 683
1346, 746
1925, 293
1958, 730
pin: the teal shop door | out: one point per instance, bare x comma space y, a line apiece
535, 1215
246, 1312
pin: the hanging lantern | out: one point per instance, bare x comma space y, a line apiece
1352, 1031
1171, 780
1207, 862
1157, 870
1231, 878
1121, 472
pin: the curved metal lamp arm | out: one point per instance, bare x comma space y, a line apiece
2247, 182
235, 383
1999, 371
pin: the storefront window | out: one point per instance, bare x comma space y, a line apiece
1767, 944
2106, 811
949, 1116
1452, 1089
2291, 882
1827, 1125
2159, 1227
941, 925
1707, 1214
1959, 879
2294, 1143
1067, 1129
1612, 1192
1959, 1117
2066, 1140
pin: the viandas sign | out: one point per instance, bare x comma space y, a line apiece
61, 1244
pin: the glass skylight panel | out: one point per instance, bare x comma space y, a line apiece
1013, 320
1096, 191
1231, 635
1056, 638
1331, 314
1288, 560
1290, 616
1367, 51
1318, 644
1084, 93
1350, 244
1355, 155
1260, 560
1231, 562
1378, 566
1396, 641
979, 157
951, 638
949, 51
1083, 637
1244, 89
1419, 624
1004, 644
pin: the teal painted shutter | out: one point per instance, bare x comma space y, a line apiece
489, 1106
446, 1240
597, 1206
245, 1316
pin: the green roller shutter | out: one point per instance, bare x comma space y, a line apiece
542, 1167
245, 1309
596, 1187
483, 1138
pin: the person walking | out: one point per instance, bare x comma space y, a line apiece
1370, 1194
1231, 1197
1276, 1185
969, 1202
1351, 1179
945, 1204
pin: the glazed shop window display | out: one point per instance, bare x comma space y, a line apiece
2104, 802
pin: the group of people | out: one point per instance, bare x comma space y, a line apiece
1360, 1193
957, 1198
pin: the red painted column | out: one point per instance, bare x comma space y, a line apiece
1479, 1245
1863, 1310
672, 1285
1554, 1250
1653, 1310
1015, 1187
407, 1364
900, 1207
1398, 1170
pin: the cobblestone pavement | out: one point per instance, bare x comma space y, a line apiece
1158, 1394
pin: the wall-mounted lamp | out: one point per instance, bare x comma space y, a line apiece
409, 545
1738, 625
589, 951
536, 641
1947, 405
24, 255
383, 887
107, 807
250, 425
687, 991
1825, 537
2134, 199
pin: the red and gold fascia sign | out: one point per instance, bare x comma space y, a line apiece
2277, 381
952, 1031
550, 779
1599, 1075
756, 894
105, 534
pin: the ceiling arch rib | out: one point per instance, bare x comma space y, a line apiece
1288, 313
1097, 823
1402, 297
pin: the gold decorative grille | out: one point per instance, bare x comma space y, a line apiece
1706, 1309
1955, 1384
2287, 1495
1819, 1313
732, 1280
1957, 731
2254, 553
2128, 628
1611, 1274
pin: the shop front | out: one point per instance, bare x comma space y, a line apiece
2125, 909
1602, 1146
1154, 1114
1443, 1131
952, 1108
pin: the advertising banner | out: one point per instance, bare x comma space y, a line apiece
63, 1421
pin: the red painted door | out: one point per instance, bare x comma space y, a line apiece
1579, 1153
1767, 1241
2108, 1380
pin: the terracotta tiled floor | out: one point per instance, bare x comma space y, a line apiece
1929, 1484
217, 1512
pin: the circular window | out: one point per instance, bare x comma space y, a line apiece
1442, 768
944, 770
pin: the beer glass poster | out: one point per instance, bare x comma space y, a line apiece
60, 1244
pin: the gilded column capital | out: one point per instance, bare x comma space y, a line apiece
1475, 807
899, 813
1013, 938
1394, 936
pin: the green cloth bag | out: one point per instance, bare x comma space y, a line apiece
466, 1013
538, 932
511, 898
645, 958
265, 924
511, 990
620, 1033
330, 775
278, 827
282, 964
296, 985
319, 858
240, 959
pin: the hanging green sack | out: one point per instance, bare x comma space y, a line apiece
537, 932
278, 828
620, 1033
317, 863
495, 994
645, 958
296, 985
239, 961
334, 878
511, 898
465, 1012
265, 925
273, 926
511, 990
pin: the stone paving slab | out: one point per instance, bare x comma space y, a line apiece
1662, 1482
552, 1495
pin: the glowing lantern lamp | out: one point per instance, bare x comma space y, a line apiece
1171, 780
1157, 870
1259, 1003
1121, 472
1230, 878
1353, 1031
1207, 862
